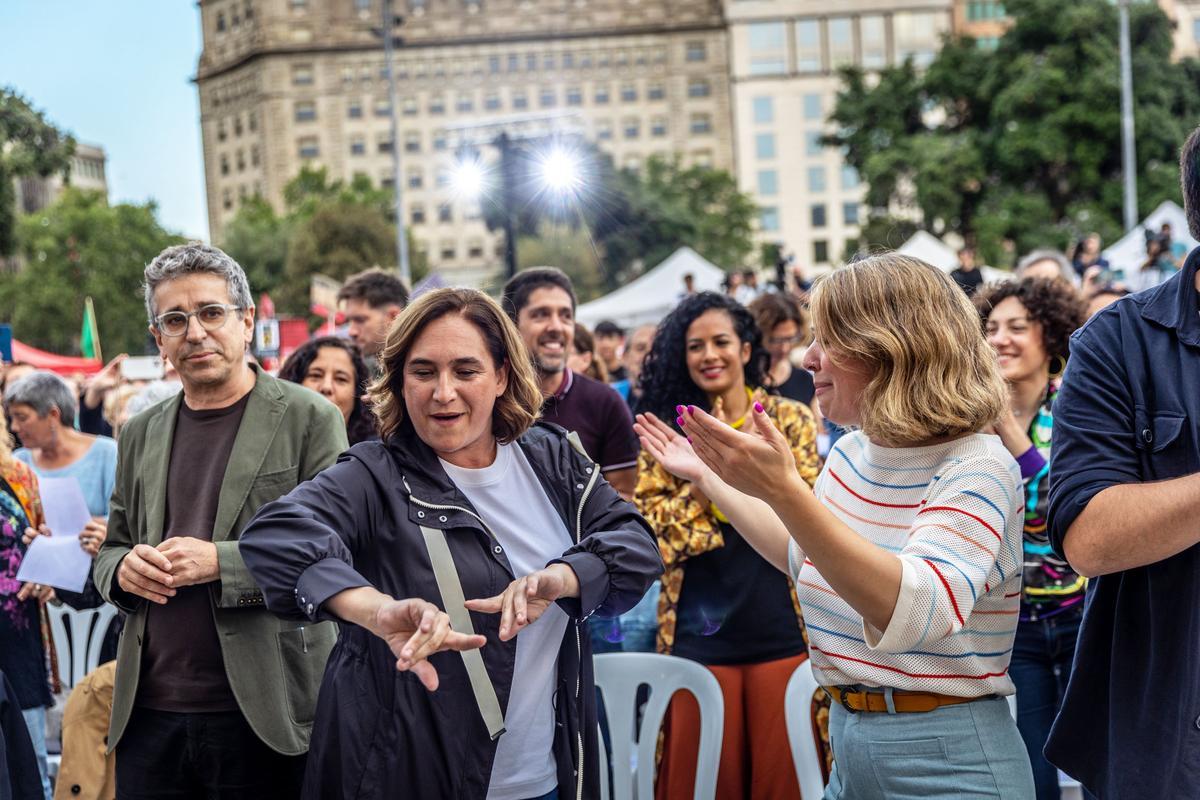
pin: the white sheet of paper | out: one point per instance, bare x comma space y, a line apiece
56, 561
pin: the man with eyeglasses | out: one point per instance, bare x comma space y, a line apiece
214, 696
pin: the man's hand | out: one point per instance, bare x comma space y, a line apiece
93, 535
145, 572
525, 599
191, 560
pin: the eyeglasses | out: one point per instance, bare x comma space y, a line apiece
211, 317
783, 341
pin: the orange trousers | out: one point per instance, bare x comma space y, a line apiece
756, 759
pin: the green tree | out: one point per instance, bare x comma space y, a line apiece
570, 249
79, 246
1019, 147
29, 145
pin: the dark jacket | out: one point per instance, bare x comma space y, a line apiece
1129, 412
378, 732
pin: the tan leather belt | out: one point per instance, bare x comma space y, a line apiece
905, 702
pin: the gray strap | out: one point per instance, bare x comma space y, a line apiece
577, 444
446, 575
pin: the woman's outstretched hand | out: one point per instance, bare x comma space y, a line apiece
414, 630
527, 598
668, 448
759, 463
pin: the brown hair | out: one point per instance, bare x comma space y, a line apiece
515, 410
933, 373
585, 343
774, 308
1053, 304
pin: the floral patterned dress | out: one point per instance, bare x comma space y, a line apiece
23, 632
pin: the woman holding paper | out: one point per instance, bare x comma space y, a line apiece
24, 627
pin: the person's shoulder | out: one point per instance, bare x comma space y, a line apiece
596, 393
983, 455
23, 455
106, 446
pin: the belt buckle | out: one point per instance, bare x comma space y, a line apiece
845, 690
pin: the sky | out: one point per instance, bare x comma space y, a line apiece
117, 73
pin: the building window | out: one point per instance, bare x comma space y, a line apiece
437, 104
702, 158
849, 177
658, 127
465, 103
656, 91
982, 10
302, 74
519, 100
412, 142
491, 101
354, 110
383, 108
531, 62
475, 249
841, 42
439, 141
241, 161
764, 110
808, 45
308, 147
252, 121
817, 215
387, 181
417, 214
549, 62
547, 98
918, 35
514, 62
494, 65
699, 87
254, 156
696, 51
442, 177
227, 200
447, 251
812, 143
873, 35
568, 60
445, 213
417, 6
820, 252
768, 219
701, 124
220, 23
601, 97
812, 107
358, 146
305, 111
764, 145
237, 125
816, 179
768, 182
1196, 30
768, 48
850, 213
574, 96
299, 5
383, 143
629, 93
224, 165
416, 179
604, 131
221, 134
632, 128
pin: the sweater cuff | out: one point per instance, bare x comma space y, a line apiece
894, 639
1030, 462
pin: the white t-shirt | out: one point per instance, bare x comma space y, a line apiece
513, 504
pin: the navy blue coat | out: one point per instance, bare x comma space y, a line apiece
1129, 412
379, 733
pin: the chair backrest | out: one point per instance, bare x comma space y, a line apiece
78, 636
618, 676
802, 733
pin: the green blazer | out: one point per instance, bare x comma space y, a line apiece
288, 435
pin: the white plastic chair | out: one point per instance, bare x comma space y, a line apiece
618, 676
806, 750
78, 636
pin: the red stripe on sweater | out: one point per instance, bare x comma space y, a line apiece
953, 602
964, 513
982, 677
869, 500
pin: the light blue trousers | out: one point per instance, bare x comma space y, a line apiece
971, 750
35, 721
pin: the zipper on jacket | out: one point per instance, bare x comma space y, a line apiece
578, 643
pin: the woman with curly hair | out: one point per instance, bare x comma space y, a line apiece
1029, 324
332, 367
721, 603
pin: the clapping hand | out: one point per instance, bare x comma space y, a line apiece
758, 462
669, 449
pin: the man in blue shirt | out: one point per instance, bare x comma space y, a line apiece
1125, 506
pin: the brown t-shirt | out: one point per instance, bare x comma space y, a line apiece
182, 668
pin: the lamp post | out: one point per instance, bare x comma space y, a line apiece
389, 45
1128, 157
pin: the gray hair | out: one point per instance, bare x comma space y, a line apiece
1064, 266
43, 391
193, 257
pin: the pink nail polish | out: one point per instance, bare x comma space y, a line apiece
758, 407
679, 421
692, 411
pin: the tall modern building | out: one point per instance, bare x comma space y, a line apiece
288, 83
784, 56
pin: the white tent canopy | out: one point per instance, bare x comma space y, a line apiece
651, 296
932, 250
1129, 252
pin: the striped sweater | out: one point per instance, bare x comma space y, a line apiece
953, 515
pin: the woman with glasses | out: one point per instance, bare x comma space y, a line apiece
721, 603
1029, 324
784, 328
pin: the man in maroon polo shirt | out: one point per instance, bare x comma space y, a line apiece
541, 301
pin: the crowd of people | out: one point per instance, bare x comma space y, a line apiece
384, 569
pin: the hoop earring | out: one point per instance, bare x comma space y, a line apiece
1062, 367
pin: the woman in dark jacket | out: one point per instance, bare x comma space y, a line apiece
465, 496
